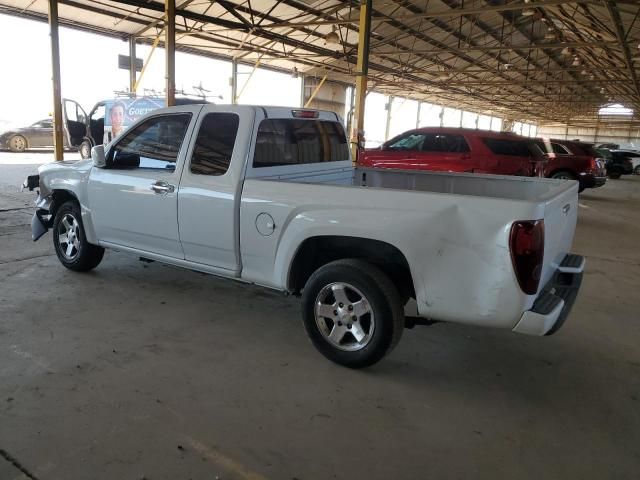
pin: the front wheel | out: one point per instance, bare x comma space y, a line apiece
614, 174
352, 312
636, 171
17, 143
70, 241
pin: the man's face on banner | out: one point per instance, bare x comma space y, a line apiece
117, 117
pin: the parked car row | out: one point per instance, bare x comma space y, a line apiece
478, 151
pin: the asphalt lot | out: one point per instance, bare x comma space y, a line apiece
147, 371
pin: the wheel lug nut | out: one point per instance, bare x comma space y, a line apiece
354, 318
348, 325
341, 305
350, 307
335, 312
339, 324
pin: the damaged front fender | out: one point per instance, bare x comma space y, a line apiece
42, 219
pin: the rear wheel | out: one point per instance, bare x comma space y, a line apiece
70, 241
564, 175
615, 174
636, 171
352, 312
17, 143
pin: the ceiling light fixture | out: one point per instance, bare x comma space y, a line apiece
332, 37
528, 12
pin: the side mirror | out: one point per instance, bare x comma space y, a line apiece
97, 155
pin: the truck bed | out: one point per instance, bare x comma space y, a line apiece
461, 222
469, 184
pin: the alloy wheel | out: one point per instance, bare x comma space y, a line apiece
68, 237
344, 316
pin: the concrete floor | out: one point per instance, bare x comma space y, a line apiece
147, 371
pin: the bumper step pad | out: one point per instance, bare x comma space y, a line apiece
563, 286
572, 264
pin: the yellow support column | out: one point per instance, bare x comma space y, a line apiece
170, 50
132, 64
58, 128
362, 70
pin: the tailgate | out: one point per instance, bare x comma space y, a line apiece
560, 217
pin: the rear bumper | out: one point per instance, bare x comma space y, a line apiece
554, 302
589, 180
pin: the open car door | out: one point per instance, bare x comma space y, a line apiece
75, 122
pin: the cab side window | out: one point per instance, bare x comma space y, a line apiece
153, 144
214, 144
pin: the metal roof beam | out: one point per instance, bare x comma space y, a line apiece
502, 48
435, 14
617, 22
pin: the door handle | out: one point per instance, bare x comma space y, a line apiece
162, 187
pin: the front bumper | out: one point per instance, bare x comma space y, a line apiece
555, 300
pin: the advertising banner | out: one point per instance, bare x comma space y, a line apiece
121, 113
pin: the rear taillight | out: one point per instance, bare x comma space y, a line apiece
594, 164
527, 252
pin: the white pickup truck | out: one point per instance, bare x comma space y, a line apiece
268, 195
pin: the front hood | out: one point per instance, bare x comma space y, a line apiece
64, 166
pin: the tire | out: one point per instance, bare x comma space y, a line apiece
370, 309
564, 174
615, 174
70, 241
85, 149
17, 144
636, 171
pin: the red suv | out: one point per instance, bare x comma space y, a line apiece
479, 151
573, 160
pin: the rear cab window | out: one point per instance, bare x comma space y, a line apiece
296, 141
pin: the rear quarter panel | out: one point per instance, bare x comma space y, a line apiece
456, 246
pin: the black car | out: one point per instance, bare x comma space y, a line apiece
619, 164
37, 135
633, 155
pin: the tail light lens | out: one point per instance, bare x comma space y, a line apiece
594, 164
527, 253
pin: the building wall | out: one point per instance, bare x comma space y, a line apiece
624, 136
331, 96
